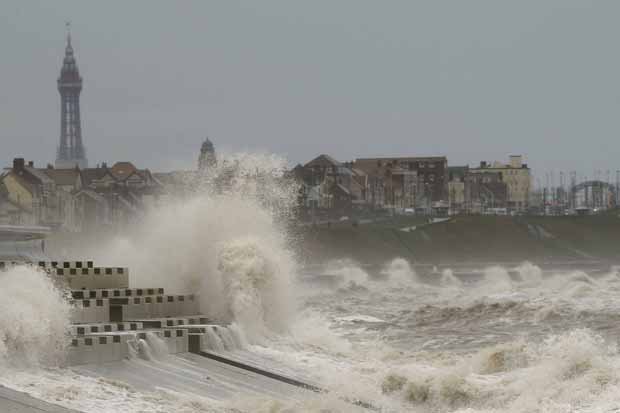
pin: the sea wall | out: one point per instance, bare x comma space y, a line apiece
466, 239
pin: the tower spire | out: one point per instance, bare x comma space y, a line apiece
68, 26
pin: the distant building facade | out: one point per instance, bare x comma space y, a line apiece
74, 199
393, 184
116, 196
407, 182
456, 188
485, 191
516, 175
329, 184
41, 196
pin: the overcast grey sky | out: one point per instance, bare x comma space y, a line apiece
471, 80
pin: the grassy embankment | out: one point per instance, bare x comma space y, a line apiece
469, 239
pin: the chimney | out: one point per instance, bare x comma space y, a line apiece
18, 164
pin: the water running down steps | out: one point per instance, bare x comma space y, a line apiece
260, 371
194, 347
276, 376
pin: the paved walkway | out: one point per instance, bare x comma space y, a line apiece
12, 401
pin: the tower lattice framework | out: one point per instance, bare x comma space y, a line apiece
71, 151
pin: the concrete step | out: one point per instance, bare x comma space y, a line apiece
96, 328
174, 321
50, 264
90, 311
80, 275
98, 349
93, 278
116, 293
66, 264
104, 347
146, 307
121, 309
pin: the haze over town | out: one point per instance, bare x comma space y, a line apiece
472, 81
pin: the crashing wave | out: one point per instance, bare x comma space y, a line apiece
34, 318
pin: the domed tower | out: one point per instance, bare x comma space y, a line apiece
71, 152
207, 157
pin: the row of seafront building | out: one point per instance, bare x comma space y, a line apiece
74, 199
423, 185
82, 199
112, 197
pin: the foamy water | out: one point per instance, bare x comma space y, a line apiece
505, 339
509, 340
34, 319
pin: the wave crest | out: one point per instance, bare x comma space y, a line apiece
34, 318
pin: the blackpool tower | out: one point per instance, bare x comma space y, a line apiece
71, 151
